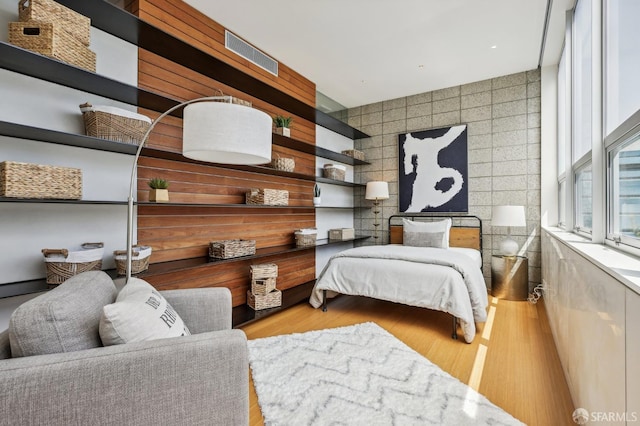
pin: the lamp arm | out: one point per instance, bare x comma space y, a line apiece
134, 169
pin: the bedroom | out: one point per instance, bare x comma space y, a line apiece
491, 178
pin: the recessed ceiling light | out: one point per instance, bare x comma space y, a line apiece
494, 47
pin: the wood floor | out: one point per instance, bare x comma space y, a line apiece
512, 361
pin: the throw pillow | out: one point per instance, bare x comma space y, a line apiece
426, 234
139, 313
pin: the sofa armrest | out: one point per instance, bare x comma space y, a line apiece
196, 380
202, 309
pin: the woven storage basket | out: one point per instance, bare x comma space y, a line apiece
227, 249
268, 197
264, 270
341, 234
333, 172
25, 180
284, 164
263, 286
358, 155
305, 237
53, 41
270, 300
140, 256
62, 264
77, 25
114, 124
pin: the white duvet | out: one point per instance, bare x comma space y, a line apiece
433, 278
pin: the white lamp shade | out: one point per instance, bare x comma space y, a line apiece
226, 133
508, 216
377, 190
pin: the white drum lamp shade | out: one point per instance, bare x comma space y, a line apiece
377, 190
226, 133
508, 216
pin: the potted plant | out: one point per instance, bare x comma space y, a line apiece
283, 125
316, 195
159, 192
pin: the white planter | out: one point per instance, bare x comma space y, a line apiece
316, 201
284, 131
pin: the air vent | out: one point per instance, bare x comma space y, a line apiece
247, 51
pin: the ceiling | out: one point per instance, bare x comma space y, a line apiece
359, 52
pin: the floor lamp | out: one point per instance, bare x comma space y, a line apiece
376, 191
215, 130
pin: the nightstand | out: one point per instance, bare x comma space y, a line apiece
510, 277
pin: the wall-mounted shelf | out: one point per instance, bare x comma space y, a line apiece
241, 206
55, 201
316, 150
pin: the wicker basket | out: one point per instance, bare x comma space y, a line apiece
342, 234
358, 155
25, 180
268, 197
114, 124
284, 164
270, 300
53, 41
306, 237
77, 25
264, 270
263, 286
140, 256
228, 249
331, 171
62, 264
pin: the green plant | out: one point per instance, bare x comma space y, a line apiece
158, 183
282, 121
316, 190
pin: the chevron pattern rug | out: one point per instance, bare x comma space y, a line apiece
360, 375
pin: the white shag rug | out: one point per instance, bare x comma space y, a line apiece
360, 375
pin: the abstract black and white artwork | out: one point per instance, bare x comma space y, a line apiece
433, 175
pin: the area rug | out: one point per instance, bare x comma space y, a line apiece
360, 375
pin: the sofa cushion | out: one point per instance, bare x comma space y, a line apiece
5, 345
65, 319
140, 313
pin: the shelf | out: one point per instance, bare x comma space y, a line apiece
338, 182
326, 242
315, 150
241, 206
328, 122
335, 207
55, 201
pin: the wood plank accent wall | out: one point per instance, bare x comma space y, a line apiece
178, 232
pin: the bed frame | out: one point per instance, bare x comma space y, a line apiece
466, 231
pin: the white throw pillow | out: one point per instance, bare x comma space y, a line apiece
426, 234
139, 313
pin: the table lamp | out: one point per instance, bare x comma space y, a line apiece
508, 216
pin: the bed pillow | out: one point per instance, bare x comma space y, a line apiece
426, 234
139, 313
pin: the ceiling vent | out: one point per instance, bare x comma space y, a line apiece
247, 51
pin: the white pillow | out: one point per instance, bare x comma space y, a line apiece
139, 313
426, 234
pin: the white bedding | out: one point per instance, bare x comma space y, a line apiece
441, 279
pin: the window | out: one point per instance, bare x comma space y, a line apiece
582, 63
563, 119
562, 203
624, 164
583, 199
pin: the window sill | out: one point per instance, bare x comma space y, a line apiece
621, 266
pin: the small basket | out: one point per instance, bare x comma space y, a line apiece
284, 164
53, 41
140, 256
269, 300
306, 237
77, 25
268, 197
227, 249
264, 270
334, 172
26, 180
358, 155
263, 286
63, 264
115, 124
342, 234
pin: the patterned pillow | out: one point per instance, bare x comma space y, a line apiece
140, 313
426, 234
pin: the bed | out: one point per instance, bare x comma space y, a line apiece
433, 262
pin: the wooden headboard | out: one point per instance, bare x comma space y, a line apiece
466, 231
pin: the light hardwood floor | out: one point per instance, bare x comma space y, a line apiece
520, 372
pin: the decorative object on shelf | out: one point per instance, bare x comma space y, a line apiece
159, 190
508, 216
139, 260
316, 195
263, 278
271, 300
376, 191
62, 264
74, 23
228, 249
283, 125
215, 132
342, 234
26, 180
334, 171
306, 237
284, 164
267, 197
114, 124
358, 155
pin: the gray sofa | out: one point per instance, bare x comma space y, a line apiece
202, 379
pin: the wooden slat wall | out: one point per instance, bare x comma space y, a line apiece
184, 232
